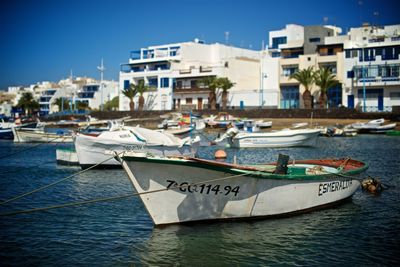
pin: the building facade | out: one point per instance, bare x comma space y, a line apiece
372, 68
365, 62
175, 72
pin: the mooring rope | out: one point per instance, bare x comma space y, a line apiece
56, 182
104, 199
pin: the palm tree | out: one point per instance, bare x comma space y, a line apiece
141, 88
130, 93
80, 105
62, 103
27, 102
211, 83
225, 84
112, 104
305, 77
325, 80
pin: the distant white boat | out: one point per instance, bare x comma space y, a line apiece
94, 147
283, 138
263, 124
374, 126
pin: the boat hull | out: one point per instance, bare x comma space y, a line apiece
216, 194
29, 136
6, 133
283, 139
91, 151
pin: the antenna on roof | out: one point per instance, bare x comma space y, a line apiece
325, 20
226, 38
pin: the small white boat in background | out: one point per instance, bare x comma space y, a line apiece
283, 138
374, 126
93, 147
263, 124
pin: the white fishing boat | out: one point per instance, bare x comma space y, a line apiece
40, 136
263, 124
179, 190
374, 126
283, 138
35, 133
94, 147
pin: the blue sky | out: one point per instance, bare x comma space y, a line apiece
44, 40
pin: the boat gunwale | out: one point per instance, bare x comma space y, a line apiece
249, 171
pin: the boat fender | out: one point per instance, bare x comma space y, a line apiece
372, 185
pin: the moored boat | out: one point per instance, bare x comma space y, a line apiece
179, 190
36, 134
92, 147
283, 138
374, 126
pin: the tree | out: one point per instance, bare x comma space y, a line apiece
80, 105
62, 103
212, 83
141, 88
305, 77
28, 103
225, 84
130, 93
325, 80
113, 104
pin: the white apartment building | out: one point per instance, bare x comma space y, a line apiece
324, 46
372, 68
174, 72
72, 90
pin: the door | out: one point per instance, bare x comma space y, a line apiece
380, 102
200, 103
350, 101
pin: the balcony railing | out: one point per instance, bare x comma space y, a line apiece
191, 89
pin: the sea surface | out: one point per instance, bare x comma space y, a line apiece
364, 231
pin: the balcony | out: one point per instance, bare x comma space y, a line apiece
191, 90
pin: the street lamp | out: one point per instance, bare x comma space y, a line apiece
363, 72
101, 69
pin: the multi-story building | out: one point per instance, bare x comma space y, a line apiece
295, 48
366, 59
175, 73
372, 68
72, 90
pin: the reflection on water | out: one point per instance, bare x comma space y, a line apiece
363, 231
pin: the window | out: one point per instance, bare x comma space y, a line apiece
289, 70
395, 95
314, 40
289, 97
189, 100
164, 82
126, 84
276, 41
153, 82
350, 74
370, 93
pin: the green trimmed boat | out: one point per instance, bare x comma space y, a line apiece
179, 190
393, 133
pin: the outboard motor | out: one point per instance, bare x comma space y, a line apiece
281, 165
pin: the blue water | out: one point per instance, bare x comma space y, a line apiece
363, 231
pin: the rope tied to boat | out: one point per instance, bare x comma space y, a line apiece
105, 199
56, 182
